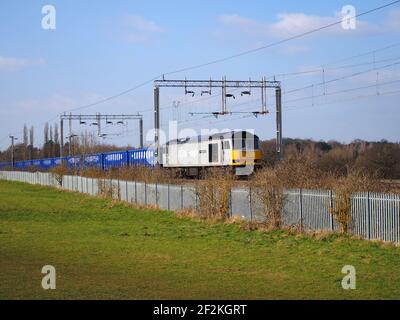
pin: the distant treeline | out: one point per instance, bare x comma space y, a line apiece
375, 158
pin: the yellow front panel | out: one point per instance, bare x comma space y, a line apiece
240, 158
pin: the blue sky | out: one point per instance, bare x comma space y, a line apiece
100, 48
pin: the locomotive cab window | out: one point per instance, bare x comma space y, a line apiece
239, 144
213, 152
226, 145
252, 143
249, 143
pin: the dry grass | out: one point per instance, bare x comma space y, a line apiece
269, 189
344, 187
187, 213
59, 172
147, 174
302, 172
135, 173
269, 183
214, 193
108, 189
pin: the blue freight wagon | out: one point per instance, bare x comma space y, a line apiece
93, 161
104, 161
115, 159
142, 157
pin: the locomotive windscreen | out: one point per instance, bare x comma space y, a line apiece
244, 141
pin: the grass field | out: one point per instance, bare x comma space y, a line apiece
102, 250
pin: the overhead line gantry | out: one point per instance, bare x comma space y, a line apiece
207, 86
97, 118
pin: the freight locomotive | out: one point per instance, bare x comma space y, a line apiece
238, 150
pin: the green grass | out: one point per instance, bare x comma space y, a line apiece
103, 250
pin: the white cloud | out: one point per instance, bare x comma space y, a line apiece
393, 20
141, 24
294, 23
307, 68
289, 24
55, 103
135, 29
289, 49
11, 63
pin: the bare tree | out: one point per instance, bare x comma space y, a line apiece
51, 133
25, 135
51, 142
45, 151
46, 132
25, 141
31, 142
56, 141
56, 134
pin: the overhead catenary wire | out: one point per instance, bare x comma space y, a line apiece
217, 95
315, 70
294, 108
325, 82
247, 52
386, 83
343, 91
313, 85
273, 44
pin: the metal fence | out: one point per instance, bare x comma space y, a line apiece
373, 215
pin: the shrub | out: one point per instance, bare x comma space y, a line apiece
344, 188
213, 193
269, 190
59, 172
106, 187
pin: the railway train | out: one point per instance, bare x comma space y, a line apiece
238, 150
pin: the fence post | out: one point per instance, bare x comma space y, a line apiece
156, 195
168, 197
368, 216
145, 193
301, 208
135, 192
250, 205
196, 199
119, 188
230, 201
397, 218
181, 196
331, 206
126, 191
